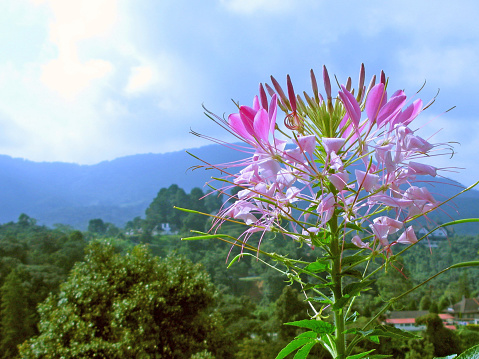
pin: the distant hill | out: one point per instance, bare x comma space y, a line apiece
119, 190
116, 191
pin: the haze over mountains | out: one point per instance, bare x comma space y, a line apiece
119, 190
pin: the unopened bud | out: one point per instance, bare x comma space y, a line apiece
327, 83
263, 98
348, 84
383, 77
270, 90
291, 95
314, 85
280, 93
362, 75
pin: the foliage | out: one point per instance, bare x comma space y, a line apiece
444, 340
127, 306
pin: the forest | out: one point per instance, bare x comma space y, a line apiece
141, 292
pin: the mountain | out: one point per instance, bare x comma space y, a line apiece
119, 190
116, 191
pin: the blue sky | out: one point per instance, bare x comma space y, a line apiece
92, 80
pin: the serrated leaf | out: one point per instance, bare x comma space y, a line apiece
291, 347
317, 326
318, 286
304, 351
341, 302
317, 267
391, 332
471, 353
360, 355
312, 335
352, 273
355, 288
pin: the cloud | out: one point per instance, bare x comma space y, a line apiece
73, 22
141, 78
255, 6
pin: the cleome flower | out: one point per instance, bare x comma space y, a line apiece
343, 160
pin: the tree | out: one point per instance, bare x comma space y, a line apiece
128, 306
15, 326
97, 226
445, 341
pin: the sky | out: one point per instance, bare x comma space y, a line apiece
92, 80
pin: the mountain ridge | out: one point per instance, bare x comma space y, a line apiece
119, 190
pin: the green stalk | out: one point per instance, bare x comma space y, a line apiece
337, 289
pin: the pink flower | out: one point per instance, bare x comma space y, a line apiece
332, 144
422, 169
356, 240
408, 236
254, 124
368, 181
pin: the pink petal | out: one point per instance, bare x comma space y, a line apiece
261, 125
410, 113
332, 144
339, 180
368, 181
422, 169
356, 240
391, 108
377, 97
307, 143
408, 236
273, 106
237, 125
352, 107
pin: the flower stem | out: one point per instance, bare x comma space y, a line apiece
337, 293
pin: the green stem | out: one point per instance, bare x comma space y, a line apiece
337, 293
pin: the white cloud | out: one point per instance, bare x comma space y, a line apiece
254, 6
141, 78
75, 21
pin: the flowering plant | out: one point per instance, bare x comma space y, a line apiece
347, 185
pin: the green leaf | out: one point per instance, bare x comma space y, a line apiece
448, 357
291, 347
350, 260
378, 356
312, 335
341, 302
235, 259
318, 326
354, 226
465, 264
352, 273
360, 355
391, 332
319, 300
354, 289
471, 353
317, 267
304, 351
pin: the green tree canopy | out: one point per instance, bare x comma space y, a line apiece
128, 306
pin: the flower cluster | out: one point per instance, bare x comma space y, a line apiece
345, 162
